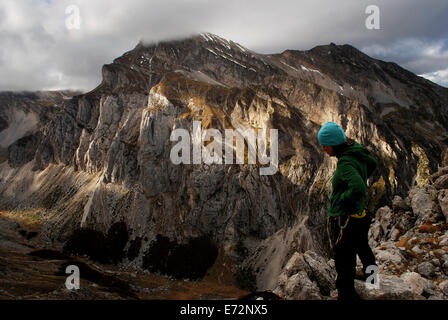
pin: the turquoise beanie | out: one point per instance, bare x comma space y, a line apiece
331, 134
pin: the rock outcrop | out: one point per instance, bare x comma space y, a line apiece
410, 243
415, 231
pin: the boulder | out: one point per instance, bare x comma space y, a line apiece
390, 288
281, 285
320, 272
316, 268
389, 255
444, 258
300, 287
416, 249
384, 216
400, 204
443, 286
416, 281
295, 264
406, 221
445, 267
424, 205
432, 291
426, 269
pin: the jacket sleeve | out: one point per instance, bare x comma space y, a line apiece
371, 165
357, 188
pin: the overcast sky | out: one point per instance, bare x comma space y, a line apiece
40, 49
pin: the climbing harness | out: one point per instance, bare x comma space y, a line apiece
341, 228
359, 215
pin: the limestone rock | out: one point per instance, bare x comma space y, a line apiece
395, 234
442, 171
399, 204
442, 197
441, 182
300, 287
316, 269
424, 205
390, 288
415, 280
432, 291
445, 158
406, 221
444, 287
390, 255
426, 269
416, 249
376, 231
295, 264
384, 215
320, 272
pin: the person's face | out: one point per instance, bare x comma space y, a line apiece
329, 150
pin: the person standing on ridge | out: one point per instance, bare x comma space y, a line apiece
348, 223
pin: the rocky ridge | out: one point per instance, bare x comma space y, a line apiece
410, 243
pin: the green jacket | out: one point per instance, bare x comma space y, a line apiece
355, 165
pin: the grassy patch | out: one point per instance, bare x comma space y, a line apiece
27, 217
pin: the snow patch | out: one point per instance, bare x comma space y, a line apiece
309, 69
212, 51
240, 47
232, 60
289, 66
216, 39
206, 37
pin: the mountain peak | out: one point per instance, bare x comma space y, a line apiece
209, 57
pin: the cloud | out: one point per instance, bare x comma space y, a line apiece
422, 56
440, 77
38, 51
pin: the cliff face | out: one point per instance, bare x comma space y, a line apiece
100, 161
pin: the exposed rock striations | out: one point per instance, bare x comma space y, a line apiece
103, 157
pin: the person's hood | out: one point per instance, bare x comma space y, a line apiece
362, 154
355, 150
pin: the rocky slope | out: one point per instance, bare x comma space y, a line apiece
98, 166
410, 241
30, 270
22, 115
